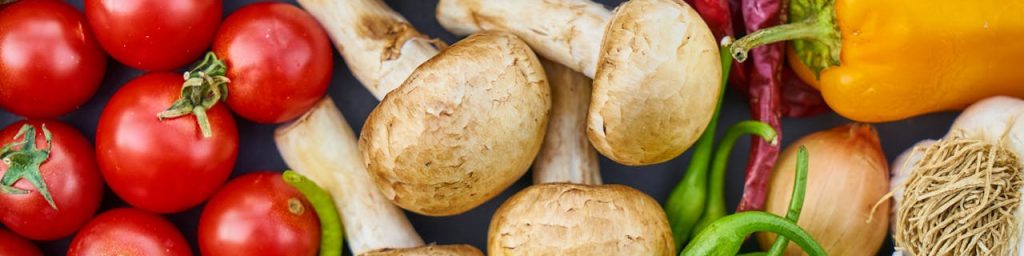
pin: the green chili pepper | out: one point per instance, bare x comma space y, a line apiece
716, 199
725, 235
796, 204
331, 236
686, 202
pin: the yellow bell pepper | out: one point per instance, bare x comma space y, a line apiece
884, 60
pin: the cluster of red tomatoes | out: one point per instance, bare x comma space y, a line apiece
165, 142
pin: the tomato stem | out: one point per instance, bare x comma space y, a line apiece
330, 222
205, 85
24, 163
814, 32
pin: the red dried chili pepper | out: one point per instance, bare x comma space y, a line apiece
798, 98
773, 89
765, 83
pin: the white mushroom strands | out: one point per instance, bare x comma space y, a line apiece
961, 194
654, 62
454, 127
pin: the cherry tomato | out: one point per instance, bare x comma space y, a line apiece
258, 214
50, 62
279, 61
68, 173
154, 34
165, 165
128, 232
11, 244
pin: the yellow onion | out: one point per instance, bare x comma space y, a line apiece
847, 175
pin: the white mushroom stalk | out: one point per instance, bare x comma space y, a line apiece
321, 146
566, 155
961, 195
456, 127
557, 218
378, 44
654, 62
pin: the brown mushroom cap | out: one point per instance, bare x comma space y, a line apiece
657, 75
571, 219
429, 250
656, 85
463, 127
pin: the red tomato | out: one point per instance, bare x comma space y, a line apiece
279, 61
128, 232
162, 166
154, 34
69, 174
50, 62
258, 214
11, 244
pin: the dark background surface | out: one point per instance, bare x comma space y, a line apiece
258, 152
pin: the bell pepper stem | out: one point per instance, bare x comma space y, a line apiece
716, 199
686, 201
807, 29
331, 234
796, 203
818, 41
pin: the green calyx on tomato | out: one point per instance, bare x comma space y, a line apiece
205, 85
24, 163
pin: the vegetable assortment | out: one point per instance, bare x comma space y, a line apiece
542, 85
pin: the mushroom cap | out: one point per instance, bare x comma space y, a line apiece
572, 219
462, 128
657, 82
428, 250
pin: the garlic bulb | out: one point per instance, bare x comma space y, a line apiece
961, 194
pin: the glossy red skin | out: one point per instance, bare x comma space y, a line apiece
11, 244
71, 175
250, 216
279, 61
129, 232
154, 34
50, 62
162, 166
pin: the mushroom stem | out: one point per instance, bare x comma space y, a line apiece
567, 32
322, 146
566, 155
380, 46
653, 62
